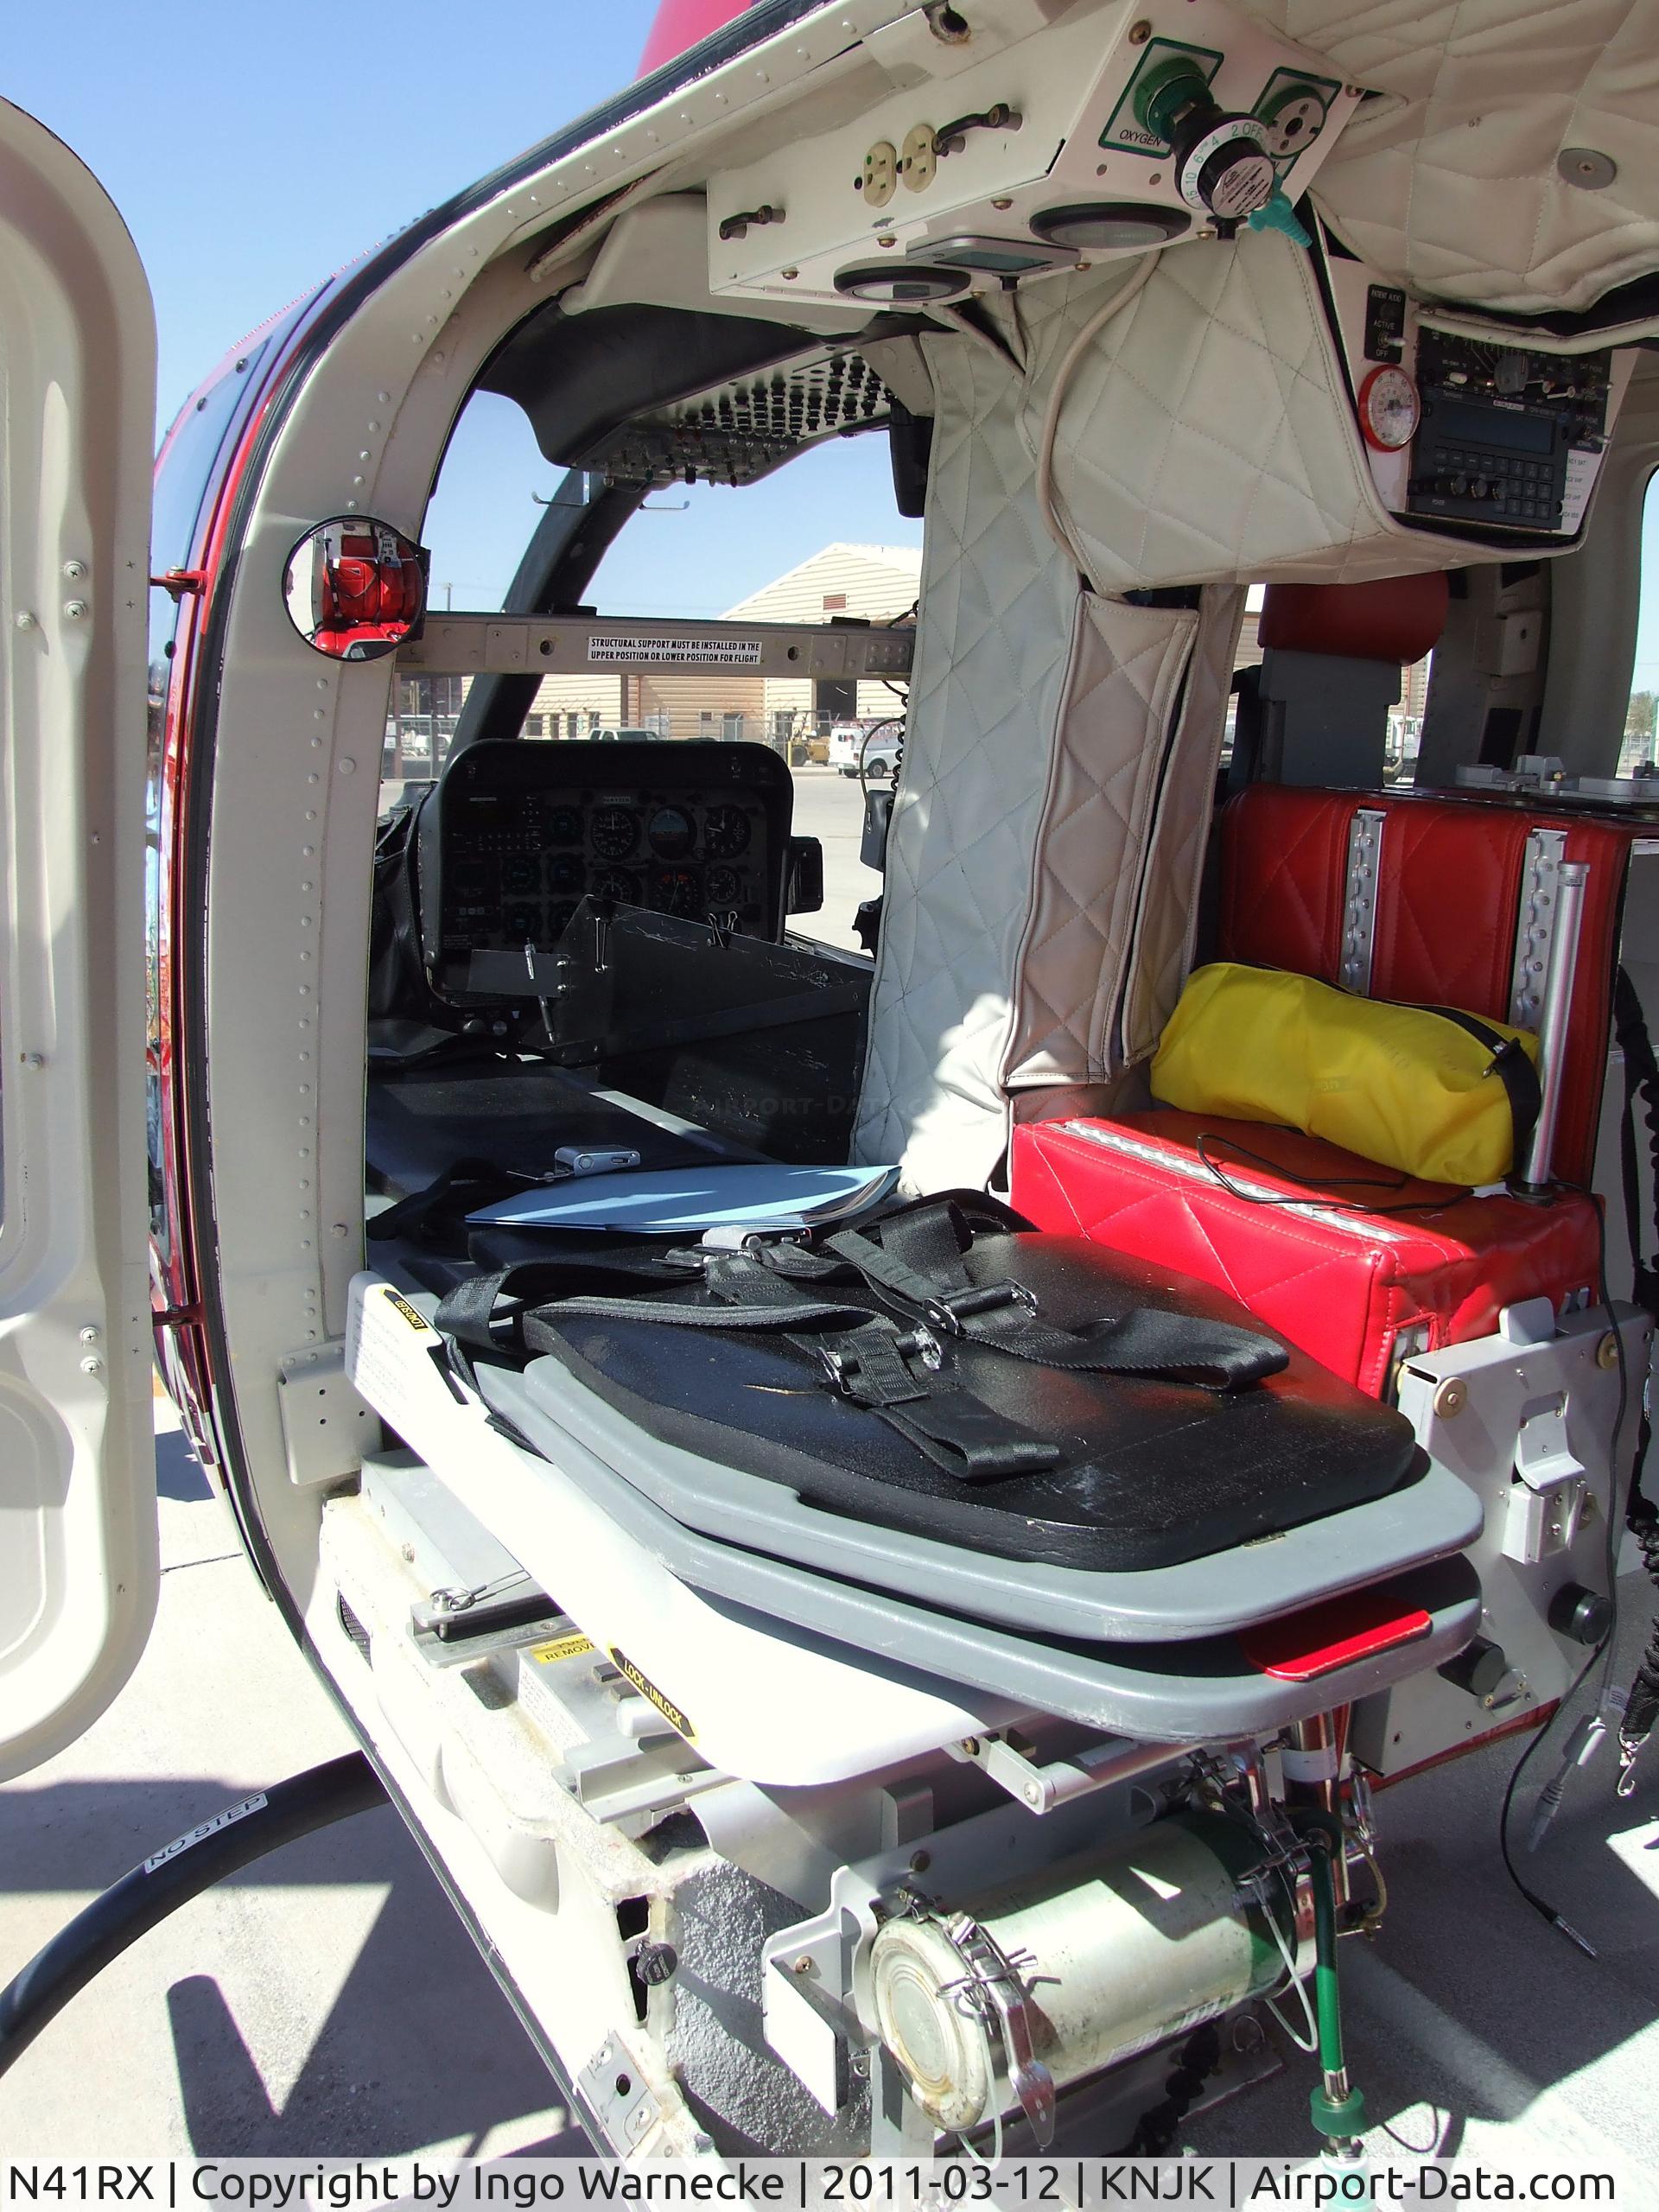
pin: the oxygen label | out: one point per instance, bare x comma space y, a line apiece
228, 1818
665, 1706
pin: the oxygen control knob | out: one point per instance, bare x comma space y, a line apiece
1229, 171
1221, 164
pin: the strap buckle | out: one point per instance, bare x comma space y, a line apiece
839, 1369
949, 1310
842, 1368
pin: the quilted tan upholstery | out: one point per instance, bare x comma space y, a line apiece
1042, 862
998, 599
1207, 434
1449, 182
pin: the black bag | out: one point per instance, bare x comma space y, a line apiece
942, 1368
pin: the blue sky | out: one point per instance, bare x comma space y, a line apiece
251, 151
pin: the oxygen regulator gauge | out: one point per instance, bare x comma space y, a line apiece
1389, 410
1222, 165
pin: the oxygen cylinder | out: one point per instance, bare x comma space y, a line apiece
1114, 1953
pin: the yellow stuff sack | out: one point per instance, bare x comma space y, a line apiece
1429, 1091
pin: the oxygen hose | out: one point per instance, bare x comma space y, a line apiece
222, 1845
1338, 2109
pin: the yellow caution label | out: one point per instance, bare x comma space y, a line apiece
562, 1647
647, 1688
415, 1320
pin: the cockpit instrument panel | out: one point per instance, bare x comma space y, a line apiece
519, 831
1476, 434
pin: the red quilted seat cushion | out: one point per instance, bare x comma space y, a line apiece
1447, 908
1284, 861
1340, 1282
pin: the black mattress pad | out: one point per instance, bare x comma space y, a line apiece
1149, 1472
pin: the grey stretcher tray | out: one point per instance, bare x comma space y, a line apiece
1427, 1519
1187, 1692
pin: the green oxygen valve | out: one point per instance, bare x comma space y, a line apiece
1277, 214
1222, 164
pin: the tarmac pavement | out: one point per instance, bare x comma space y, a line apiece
326, 2002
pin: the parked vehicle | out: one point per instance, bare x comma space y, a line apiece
941, 1599
876, 749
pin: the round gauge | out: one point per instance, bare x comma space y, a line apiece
559, 919
520, 876
565, 872
671, 833
565, 827
522, 924
725, 886
615, 883
615, 832
677, 891
725, 832
1389, 410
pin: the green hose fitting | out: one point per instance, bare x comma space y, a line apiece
1337, 2118
1166, 91
1337, 2109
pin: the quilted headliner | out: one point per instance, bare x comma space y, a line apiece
1449, 180
1207, 436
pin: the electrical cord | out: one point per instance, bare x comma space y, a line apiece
158, 1885
1602, 1653
893, 721
1297, 1982
1316, 1185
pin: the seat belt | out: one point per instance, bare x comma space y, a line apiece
864, 1357
895, 1367
916, 1255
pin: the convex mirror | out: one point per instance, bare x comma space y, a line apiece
355, 589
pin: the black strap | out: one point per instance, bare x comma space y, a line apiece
486, 1313
896, 1366
867, 1358
918, 1257
1512, 1064
462, 1187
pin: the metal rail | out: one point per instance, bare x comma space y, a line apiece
598, 645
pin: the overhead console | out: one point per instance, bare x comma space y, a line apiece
1129, 126
518, 833
1475, 434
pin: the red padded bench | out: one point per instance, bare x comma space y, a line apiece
1354, 1288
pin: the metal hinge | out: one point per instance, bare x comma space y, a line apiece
176, 582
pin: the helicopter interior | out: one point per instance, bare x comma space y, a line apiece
1422, 420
